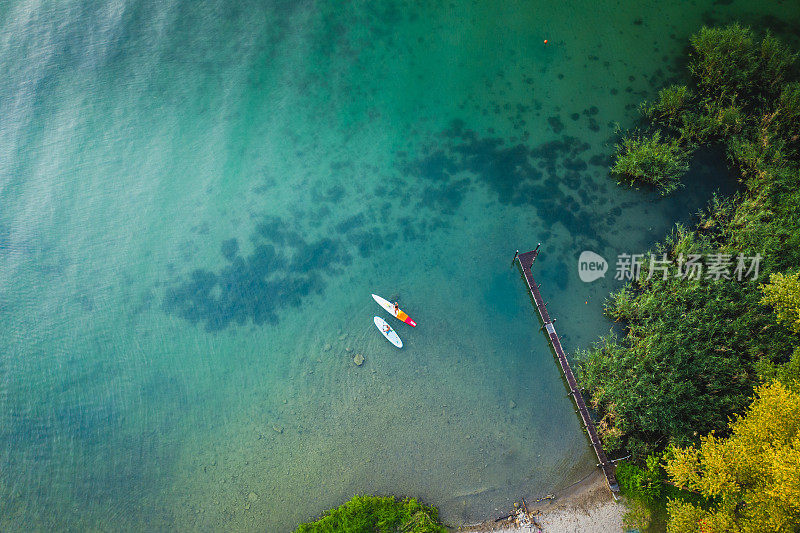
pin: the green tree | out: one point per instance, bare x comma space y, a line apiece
787, 373
783, 293
686, 361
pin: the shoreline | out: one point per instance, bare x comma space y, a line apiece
588, 506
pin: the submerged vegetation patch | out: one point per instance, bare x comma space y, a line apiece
282, 269
548, 176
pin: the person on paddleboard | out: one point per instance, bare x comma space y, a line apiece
387, 328
396, 308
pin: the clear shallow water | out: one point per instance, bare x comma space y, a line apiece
198, 198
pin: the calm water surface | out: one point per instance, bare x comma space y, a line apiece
197, 199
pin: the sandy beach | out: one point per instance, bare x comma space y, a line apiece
587, 507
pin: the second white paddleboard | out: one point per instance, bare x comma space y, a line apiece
388, 332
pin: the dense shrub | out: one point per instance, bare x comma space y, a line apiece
724, 60
671, 104
692, 349
376, 514
643, 483
651, 160
732, 62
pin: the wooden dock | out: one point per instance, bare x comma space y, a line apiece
526, 262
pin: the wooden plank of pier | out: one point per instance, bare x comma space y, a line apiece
526, 262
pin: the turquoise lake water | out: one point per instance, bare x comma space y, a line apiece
197, 199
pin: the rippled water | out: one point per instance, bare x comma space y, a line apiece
197, 199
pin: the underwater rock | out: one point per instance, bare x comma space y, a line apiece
277, 429
512, 404
253, 497
358, 359
348, 349
327, 346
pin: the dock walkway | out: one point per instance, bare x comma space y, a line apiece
526, 263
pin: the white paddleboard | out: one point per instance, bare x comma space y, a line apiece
391, 335
399, 314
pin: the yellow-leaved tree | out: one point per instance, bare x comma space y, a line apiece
750, 479
783, 293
